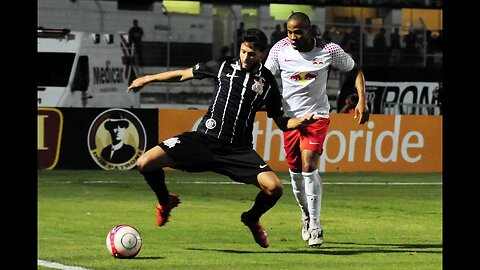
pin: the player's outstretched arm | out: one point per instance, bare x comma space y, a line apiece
361, 110
180, 75
285, 123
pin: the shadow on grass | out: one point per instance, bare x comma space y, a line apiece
353, 249
419, 246
149, 258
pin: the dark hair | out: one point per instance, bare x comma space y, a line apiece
300, 16
257, 38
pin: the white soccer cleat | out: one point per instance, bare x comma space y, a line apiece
305, 232
316, 238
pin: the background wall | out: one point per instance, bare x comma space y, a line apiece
387, 143
104, 16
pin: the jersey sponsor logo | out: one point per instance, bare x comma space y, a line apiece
197, 66
317, 62
210, 123
116, 139
303, 76
288, 60
310, 142
263, 166
171, 142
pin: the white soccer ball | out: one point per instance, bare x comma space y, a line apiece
124, 241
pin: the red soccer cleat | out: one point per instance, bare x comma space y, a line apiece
163, 212
258, 232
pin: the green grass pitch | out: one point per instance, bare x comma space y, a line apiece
370, 221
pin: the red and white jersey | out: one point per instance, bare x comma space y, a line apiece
304, 75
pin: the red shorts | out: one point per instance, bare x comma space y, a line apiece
310, 137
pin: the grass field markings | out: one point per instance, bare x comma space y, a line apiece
237, 183
101, 182
384, 183
59, 265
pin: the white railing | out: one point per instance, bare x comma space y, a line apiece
409, 108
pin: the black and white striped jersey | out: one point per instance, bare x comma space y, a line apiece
238, 95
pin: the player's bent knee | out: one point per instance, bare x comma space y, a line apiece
270, 183
142, 163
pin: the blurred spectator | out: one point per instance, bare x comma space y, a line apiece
380, 46
395, 47
135, 35
346, 42
380, 41
355, 37
238, 36
277, 35
410, 41
395, 39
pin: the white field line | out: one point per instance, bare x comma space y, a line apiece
283, 182
59, 265
325, 183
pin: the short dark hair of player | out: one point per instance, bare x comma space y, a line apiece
302, 17
256, 38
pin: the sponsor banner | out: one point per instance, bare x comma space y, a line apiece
49, 133
116, 139
172, 122
97, 138
387, 143
402, 97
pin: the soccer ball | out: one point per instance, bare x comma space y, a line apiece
124, 241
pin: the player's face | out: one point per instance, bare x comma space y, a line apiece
249, 57
299, 34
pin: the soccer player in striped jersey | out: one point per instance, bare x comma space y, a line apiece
304, 63
223, 141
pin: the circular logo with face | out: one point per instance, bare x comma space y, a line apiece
116, 139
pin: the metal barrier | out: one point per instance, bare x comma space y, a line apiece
411, 109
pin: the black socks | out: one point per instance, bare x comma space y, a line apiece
156, 181
263, 203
